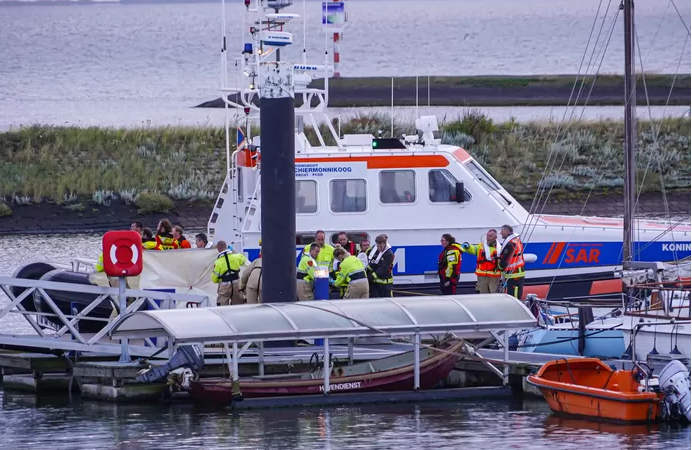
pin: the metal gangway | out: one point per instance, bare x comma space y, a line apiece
59, 330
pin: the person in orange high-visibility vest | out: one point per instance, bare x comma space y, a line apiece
487, 272
449, 264
511, 262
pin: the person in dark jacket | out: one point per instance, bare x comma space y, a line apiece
347, 245
449, 264
379, 269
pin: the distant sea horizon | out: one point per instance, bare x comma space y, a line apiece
151, 61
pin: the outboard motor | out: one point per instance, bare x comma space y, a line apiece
674, 382
186, 356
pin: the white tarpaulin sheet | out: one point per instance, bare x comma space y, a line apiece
185, 271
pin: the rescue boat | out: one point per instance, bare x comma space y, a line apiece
394, 373
414, 189
589, 388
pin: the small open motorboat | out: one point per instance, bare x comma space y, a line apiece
393, 373
589, 388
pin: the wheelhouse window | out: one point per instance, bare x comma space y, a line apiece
442, 187
353, 237
348, 196
483, 176
306, 197
397, 186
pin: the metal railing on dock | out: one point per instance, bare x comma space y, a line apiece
80, 326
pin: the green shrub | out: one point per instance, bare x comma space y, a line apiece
5, 211
152, 202
64, 164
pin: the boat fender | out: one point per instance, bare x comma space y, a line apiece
32, 271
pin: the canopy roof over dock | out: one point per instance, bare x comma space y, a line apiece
341, 318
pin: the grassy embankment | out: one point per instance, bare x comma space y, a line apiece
79, 167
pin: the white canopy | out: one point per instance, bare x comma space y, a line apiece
340, 318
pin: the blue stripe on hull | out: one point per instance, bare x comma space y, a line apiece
417, 260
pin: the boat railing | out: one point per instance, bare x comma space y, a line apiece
82, 264
637, 327
660, 297
58, 327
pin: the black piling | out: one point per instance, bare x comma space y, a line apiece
277, 128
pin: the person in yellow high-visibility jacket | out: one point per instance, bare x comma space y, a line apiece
226, 274
305, 274
351, 275
326, 255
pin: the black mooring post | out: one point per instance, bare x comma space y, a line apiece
278, 202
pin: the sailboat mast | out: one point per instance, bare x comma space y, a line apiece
630, 130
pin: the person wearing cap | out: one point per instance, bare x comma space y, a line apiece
351, 275
251, 280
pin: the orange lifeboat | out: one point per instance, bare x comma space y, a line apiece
588, 388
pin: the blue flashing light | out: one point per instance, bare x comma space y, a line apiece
247, 48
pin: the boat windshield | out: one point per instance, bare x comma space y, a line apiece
483, 176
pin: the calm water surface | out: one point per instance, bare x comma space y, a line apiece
147, 64
27, 423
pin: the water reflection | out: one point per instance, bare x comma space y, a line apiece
29, 422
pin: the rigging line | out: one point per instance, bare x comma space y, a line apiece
595, 54
605, 50
562, 256
660, 235
549, 165
681, 19
638, 251
563, 125
574, 85
656, 134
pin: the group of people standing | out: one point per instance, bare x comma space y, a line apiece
499, 266
167, 237
356, 271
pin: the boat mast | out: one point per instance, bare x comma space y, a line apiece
630, 130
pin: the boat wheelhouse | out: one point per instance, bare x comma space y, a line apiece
413, 188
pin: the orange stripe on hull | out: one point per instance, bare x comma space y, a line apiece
541, 290
559, 247
547, 255
386, 162
606, 287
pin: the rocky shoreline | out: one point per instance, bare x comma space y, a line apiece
52, 218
